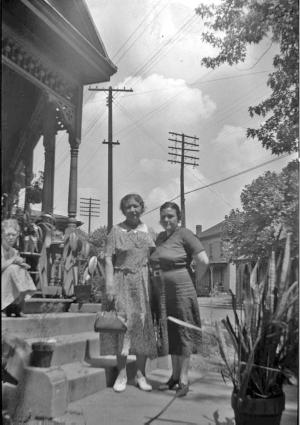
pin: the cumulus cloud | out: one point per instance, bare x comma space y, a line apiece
162, 101
233, 149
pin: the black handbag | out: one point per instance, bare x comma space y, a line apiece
109, 321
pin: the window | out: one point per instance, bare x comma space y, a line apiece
210, 251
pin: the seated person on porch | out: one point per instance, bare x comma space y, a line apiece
16, 282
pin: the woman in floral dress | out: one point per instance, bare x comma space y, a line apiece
127, 286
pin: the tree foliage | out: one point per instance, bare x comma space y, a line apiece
98, 238
269, 210
232, 26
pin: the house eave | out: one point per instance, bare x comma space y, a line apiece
100, 67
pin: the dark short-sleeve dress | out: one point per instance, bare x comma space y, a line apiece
173, 254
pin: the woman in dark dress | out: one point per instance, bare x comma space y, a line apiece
176, 247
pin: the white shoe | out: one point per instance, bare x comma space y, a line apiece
120, 384
143, 384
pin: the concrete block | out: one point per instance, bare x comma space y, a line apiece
83, 380
43, 393
54, 324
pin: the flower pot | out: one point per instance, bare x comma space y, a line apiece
41, 354
257, 411
82, 293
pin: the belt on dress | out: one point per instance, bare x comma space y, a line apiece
157, 268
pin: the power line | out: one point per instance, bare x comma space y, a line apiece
153, 59
259, 59
136, 29
224, 179
214, 191
138, 126
232, 77
228, 78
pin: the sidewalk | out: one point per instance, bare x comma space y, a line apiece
208, 397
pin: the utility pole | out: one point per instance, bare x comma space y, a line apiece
110, 144
178, 150
89, 207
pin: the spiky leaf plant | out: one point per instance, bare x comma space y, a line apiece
264, 334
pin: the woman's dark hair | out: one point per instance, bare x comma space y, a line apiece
172, 205
136, 197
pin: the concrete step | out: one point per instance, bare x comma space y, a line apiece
71, 348
39, 305
85, 308
46, 392
83, 379
48, 325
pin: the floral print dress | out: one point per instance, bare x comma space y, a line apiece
129, 249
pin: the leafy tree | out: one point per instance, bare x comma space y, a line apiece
98, 238
232, 26
269, 210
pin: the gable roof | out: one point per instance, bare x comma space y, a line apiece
76, 12
66, 31
215, 230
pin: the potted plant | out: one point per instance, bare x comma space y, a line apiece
78, 266
34, 191
42, 350
83, 289
264, 339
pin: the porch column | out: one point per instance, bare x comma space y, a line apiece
72, 200
28, 176
49, 132
212, 287
74, 140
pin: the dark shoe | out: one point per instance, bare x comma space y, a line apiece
18, 310
182, 390
170, 385
8, 311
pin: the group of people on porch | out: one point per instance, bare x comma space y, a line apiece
148, 282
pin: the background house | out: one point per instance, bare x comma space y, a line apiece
221, 274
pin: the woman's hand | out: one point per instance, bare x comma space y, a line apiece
201, 263
109, 278
19, 261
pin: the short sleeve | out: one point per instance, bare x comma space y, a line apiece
111, 243
191, 243
152, 235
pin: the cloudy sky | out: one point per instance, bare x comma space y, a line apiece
157, 47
